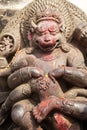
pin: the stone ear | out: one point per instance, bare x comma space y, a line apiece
62, 28
33, 26
31, 29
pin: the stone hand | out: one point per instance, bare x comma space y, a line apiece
58, 72
24, 75
36, 72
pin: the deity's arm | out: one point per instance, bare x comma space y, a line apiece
76, 76
18, 61
23, 75
75, 70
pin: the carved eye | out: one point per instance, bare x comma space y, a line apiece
39, 31
53, 29
54, 32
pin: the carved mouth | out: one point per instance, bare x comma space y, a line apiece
48, 46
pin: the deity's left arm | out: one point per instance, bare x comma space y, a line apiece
75, 71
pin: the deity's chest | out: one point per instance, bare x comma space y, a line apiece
49, 62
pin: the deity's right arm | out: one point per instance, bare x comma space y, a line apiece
18, 61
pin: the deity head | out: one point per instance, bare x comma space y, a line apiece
46, 33
45, 23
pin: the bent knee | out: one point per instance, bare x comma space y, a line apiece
17, 113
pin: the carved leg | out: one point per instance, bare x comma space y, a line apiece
65, 123
62, 122
22, 116
73, 107
42, 109
19, 93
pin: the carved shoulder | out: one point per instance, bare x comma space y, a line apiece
75, 57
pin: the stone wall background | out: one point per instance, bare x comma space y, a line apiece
81, 4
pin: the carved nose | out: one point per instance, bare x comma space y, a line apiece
47, 38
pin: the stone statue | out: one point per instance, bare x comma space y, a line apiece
47, 77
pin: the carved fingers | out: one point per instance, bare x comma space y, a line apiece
23, 75
58, 72
36, 72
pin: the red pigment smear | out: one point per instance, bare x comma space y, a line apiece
47, 57
29, 36
44, 103
62, 123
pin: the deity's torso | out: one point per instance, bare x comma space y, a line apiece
49, 61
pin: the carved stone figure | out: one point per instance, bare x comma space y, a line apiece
51, 62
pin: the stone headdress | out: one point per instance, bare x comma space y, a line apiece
40, 9
19, 25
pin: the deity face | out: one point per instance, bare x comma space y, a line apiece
47, 35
